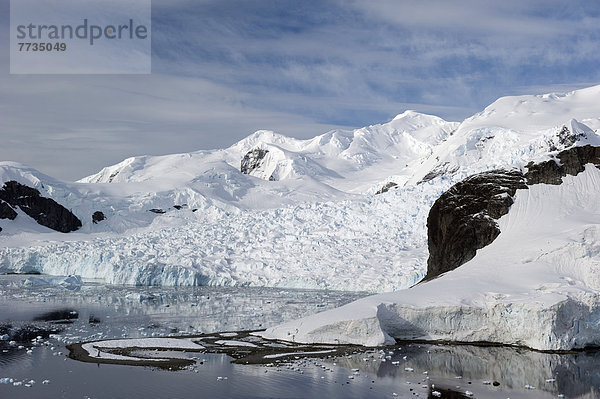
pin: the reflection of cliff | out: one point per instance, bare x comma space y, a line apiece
579, 375
576, 374
222, 309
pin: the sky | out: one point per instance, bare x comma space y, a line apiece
223, 69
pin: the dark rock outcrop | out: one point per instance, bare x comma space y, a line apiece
98, 216
568, 162
112, 176
252, 160
45, 211
157, 210
386, 187
440, 170
563, 139
58, 315
462, 220
6, 211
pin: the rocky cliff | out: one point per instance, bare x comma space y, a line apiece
252, 160
45, 211
463, 219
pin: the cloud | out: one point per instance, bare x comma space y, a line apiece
223, 68
72, 126
389, 49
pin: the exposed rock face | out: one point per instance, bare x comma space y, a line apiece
157, 210
462, 220
112, 176
6, 211
386, 188
45, 211
98, 216
439, 170
564, 139
252, 160
570, 162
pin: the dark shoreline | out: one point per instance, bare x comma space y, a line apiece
264, 351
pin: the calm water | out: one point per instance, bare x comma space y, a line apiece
115, 312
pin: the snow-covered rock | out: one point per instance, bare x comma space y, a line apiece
45, 211
515, 130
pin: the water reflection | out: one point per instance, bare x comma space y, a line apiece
484, 369
106, 312
166, 309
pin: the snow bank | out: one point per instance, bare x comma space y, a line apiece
101, 349
229, 342
536, 285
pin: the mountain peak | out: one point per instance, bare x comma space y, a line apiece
409, 113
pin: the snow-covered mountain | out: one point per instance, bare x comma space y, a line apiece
348, 161
513, 131
277, 211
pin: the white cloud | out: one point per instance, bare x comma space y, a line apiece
224, 69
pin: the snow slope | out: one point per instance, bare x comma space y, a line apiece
536, 285
316, 224
513, 131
